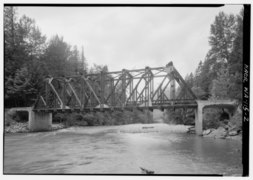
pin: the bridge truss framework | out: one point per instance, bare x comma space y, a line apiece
149, 88
143, 89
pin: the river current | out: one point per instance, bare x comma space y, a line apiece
164, 149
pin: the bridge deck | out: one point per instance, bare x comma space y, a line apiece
118, 108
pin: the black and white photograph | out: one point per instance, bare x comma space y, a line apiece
126, 89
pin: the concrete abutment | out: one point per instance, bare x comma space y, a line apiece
230, 105
37, 121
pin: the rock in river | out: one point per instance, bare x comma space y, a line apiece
233, 133
217, 133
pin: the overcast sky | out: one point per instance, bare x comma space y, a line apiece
132, 37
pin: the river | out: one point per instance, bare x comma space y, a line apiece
164, 149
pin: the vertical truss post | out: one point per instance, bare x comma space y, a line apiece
147, 86
123, 87
46, 93
172, 89
82, 95
112, 90
160, 95
135, 96
63, 95
152, 89
102, 88
131, 90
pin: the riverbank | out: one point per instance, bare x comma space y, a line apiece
223, 133
19, 127
219, 133
227, 132
22, 127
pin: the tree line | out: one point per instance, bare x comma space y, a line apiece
219, 75
29, 57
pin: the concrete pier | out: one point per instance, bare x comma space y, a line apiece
149, 116
199, 121
40, 121
37, 121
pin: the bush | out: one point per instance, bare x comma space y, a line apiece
109, 119
70, 119
211, 118
101, 118
75, 119
22, 116
9, 116
139, 117
59, 117
12, 116
236, 120
173, 116
189, 121
90, 119
118, 118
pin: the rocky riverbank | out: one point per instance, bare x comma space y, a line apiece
22, 127
228, 131
17, 127
223, 133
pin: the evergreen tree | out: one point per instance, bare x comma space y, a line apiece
199, 92
236, 60
74, 61
10, 26
23, 47
189, 79
220, 85
30, 38
56, 57
21, 89
84, 63
222, 36
98, 68
223, 33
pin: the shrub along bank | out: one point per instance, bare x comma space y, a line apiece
18, 122
216, 124
226, 129
101, 118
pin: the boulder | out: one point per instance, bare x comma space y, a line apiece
191, 130
218, 133
226, 127
206, 132
233, 133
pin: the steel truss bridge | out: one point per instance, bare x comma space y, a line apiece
148, 88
